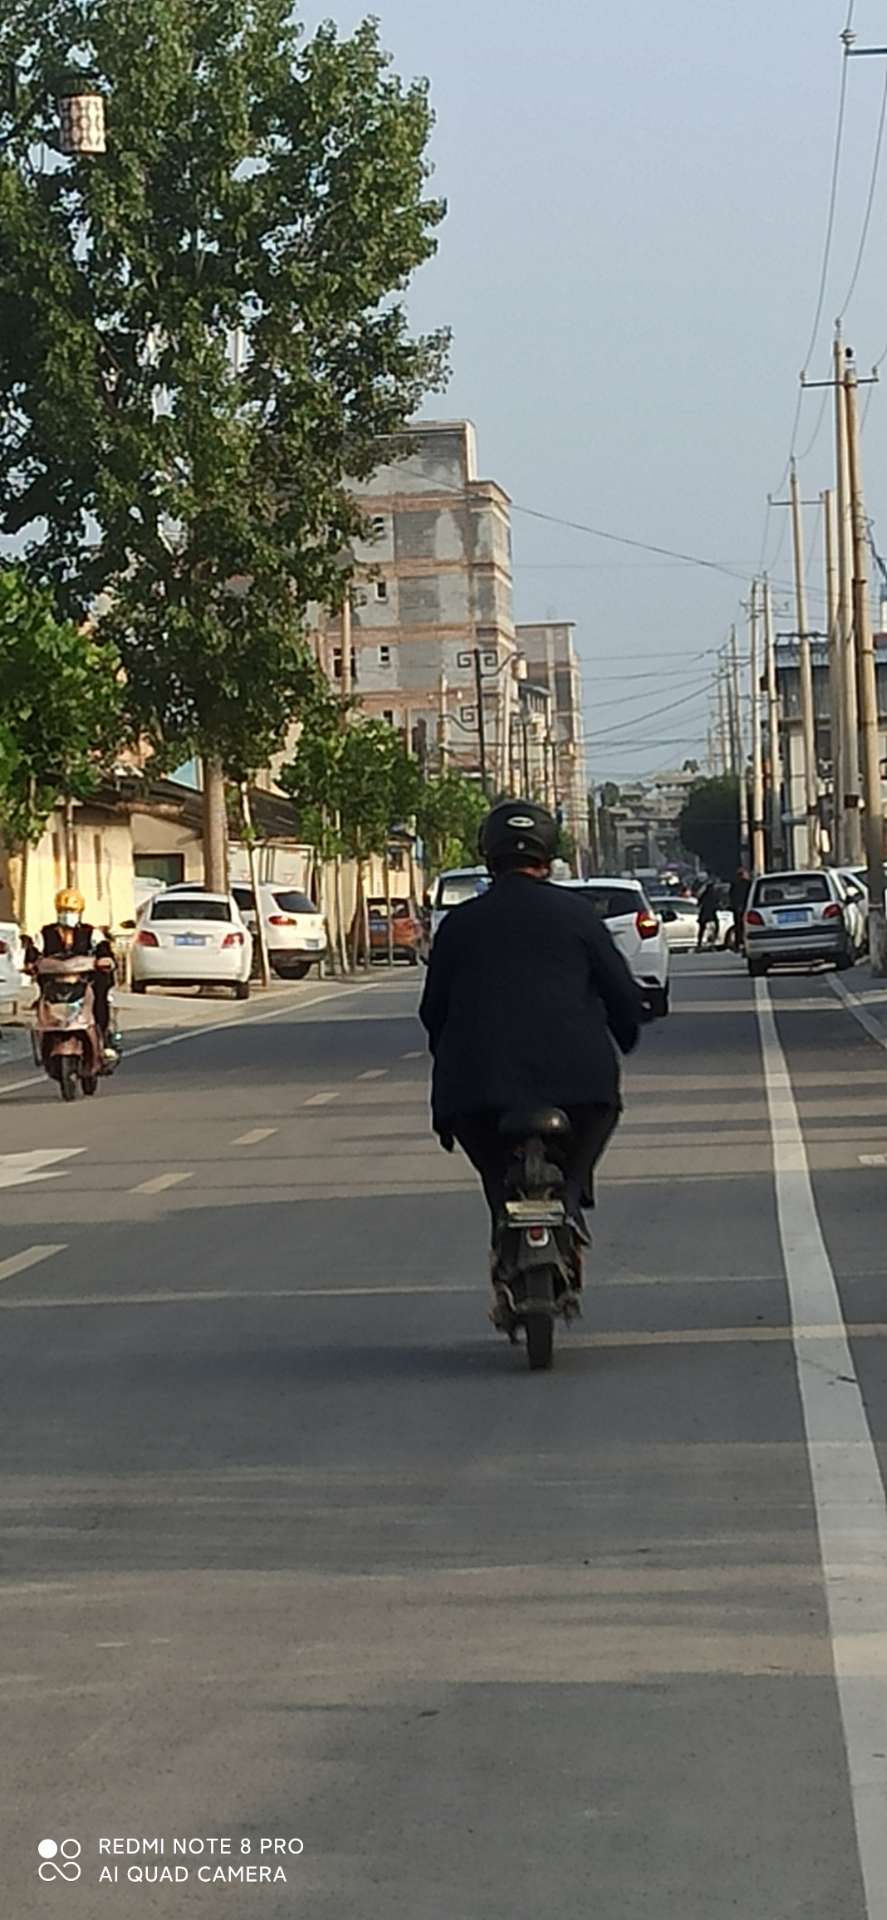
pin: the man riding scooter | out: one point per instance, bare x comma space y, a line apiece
525, 989
70, 937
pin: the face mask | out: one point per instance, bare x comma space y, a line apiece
69, 919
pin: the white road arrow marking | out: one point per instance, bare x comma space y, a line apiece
23, 1169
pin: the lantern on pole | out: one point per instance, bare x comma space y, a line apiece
81, 120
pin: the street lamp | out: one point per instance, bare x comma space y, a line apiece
81, 111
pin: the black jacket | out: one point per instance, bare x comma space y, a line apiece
522, 987
80, 942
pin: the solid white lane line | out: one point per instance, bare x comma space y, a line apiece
31, 1257
872, 1159
375, 1073
866, 1020
161, 1182
252, 1139
219, 1026
851, 1508
321, 1099
214, 1295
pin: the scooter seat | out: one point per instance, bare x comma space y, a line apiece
542, 1123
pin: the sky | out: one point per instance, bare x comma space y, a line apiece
630, 264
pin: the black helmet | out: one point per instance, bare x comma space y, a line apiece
516, 833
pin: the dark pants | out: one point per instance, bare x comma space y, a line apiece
102, 982
490, 1155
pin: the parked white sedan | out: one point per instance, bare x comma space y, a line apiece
192, 939
295, 930
13, 981
637, 931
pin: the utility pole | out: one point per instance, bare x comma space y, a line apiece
724, 751
443, 723
481, 722
346, 644
777, 841
835, 673
758, 854
868, 686
744, 847
846, 629
808, 712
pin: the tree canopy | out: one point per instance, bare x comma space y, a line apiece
709, 824
204, 340
448, 816
61, 699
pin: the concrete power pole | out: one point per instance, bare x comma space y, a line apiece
835, 673
846, 629
808, 713
739, 738
723, 730
777, 838
868, 687
758, 854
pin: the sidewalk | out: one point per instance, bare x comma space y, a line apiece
141, 1016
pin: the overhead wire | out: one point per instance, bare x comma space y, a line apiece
873, 184
823, 278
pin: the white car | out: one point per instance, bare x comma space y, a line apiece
13, 980
192, 939
294, 928
453, 889
680, 919
637, 931
854, 882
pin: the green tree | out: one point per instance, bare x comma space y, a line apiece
204, 342
448, 818
709, 824
62, 703
352, 780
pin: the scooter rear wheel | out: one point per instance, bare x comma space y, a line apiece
540, 1341
68, 1076
89, 1083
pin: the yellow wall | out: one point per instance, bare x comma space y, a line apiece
104, 872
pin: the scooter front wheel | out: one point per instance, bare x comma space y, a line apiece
68, 1076
540, 1341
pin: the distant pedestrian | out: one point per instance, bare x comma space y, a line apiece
707, 919
739, 893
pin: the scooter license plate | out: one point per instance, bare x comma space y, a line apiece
535, 1213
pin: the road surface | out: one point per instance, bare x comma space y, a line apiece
295, 1548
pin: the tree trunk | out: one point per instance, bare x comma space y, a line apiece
70, 845
389, 922
215, 827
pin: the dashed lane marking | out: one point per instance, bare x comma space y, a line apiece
253, 1138
31, 1257
375, 1073
161, 1182
321, 1099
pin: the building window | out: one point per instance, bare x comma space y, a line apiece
97, 857
388, 715
381, 589
337, 664
384, 656
377, 526
168, 868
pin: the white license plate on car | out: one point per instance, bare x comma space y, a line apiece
190, 939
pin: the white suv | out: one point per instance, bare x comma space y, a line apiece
637, 930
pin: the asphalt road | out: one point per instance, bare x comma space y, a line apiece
294, 1547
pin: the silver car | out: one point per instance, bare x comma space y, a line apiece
792, 917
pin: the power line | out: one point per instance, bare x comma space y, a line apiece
823, 275
655, 712
876, 163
